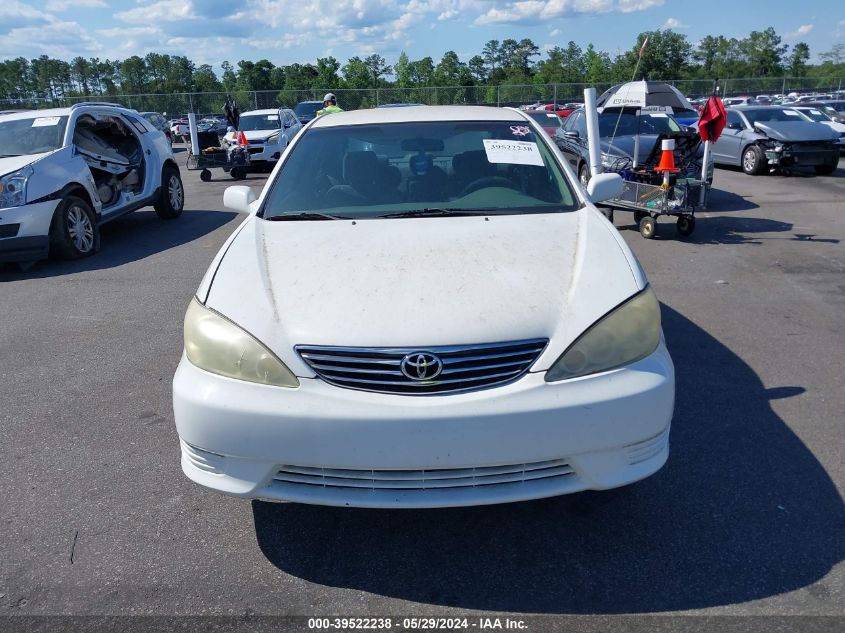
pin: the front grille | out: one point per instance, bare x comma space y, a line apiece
255, 150
429, 479
464, 367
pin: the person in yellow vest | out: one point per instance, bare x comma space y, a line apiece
329, 105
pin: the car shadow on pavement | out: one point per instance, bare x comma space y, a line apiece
130, 238
742, 511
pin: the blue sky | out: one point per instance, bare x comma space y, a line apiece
287, 31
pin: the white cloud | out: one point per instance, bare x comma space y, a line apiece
629, 6
64, 5
63, 40
536, 11
162, 10
554, 33
800, 31
674, 23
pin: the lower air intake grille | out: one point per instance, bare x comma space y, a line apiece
423, 479
421, 371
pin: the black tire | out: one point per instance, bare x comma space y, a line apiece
205, 175
171, 197
238, 173
827, 168
648, 227
686, 225
73, 231
608, 213
753, 160
584, 175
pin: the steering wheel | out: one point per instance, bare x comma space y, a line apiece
488, 181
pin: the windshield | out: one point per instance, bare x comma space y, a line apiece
626, 124
251, 122
307, 109
366, 171
815, 115
771, 114
546, 119
21, 137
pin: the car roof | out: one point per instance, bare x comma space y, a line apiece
264, 111
36, 114
410, 115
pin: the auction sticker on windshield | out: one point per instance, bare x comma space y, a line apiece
45, 121
513, 152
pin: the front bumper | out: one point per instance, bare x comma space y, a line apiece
260, 153
608, 430
792, 155
25, 230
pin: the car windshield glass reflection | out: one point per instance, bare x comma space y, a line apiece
259, 122
771, 114
21, 137
426, 168
626, 124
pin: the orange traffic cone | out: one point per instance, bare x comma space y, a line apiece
667, 158
242, 139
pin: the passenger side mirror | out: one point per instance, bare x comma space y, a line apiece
604, 187
239, 198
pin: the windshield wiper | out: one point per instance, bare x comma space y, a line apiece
305, 216
430, 212
9, 155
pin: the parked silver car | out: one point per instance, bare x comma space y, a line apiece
762, 138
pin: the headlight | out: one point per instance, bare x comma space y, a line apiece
215, 344
608, 160
629, 333
13, 187
273, 139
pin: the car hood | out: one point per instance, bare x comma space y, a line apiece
796, 131
624, 146
417, 282
14, 163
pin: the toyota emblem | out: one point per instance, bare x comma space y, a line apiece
421, 366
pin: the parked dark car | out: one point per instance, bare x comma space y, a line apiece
762, 138
307, 110
618, 138
160, 123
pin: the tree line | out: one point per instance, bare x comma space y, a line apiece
667, 55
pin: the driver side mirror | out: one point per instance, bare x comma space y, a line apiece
239, 198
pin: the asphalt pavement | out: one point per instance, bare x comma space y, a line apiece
746, 518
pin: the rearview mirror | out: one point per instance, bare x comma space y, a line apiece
604, 187
239, 198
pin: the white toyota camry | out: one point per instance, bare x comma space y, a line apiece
423, 308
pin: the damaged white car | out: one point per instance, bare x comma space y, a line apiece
64, 172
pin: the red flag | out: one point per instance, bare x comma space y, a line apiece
642, 48
712, 119
242, 139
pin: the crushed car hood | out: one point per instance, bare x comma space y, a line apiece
796, 131
14, 163
422, 281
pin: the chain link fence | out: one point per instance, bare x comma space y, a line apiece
202, 103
